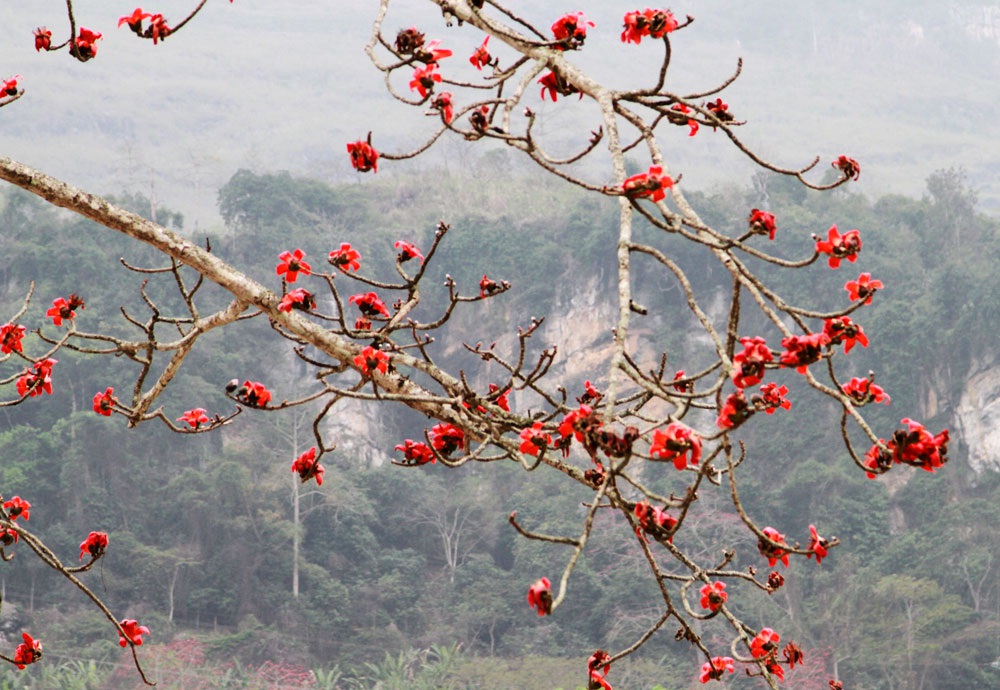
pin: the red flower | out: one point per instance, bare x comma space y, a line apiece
680, 118
735, 411
86, 47
479, 119
540, 596
878, 460
534, 440
157, 28
571, 30
716, 668
10, 338
817, 545
762, 223
556, 85
481, 57
307, 467
133, 632
652, 23
771, 398
37, 379
862, 288
684, 386
346, 258
598, 675
416, 453
748, 366
369, 304
252, 393
104, 402
721, 111
488, 287
803, 350
134, 20
64, 309
915, 446
775, 581
764, 644
17, 507
863, 391
443, 103
843, 330
195, 417
650, 183
446, 438
363, 155
430, 53
653, 520
424, 79
292, 264
793, 654
713, 596
362, 324
776, 670
578, 422
501, 401
300, 299
674, 443
28, 652
7, 537
773, 554
848, 166
370, 360
43, 38
839, 246
407, 251
10, 87
94, 544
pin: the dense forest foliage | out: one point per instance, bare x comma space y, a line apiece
411, 577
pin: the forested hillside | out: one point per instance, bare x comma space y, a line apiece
407, 575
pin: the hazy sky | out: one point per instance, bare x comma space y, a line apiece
905, 87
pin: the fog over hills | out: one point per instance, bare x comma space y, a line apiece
904, 87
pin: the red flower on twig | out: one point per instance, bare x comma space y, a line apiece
651, 183
850, 167
250, 393
748, 365
37, 379
363, 155
299, 298
407, 251
654, 521
839, 246
713, 596
86, 46
481, 57
762, 223
735, 411
862, 288
716, 668
43, 38
369, 304
371, 360
10, 338
571, 30
292, 265
764, 644
429, 54
133, 632
104, 402
446, 438
540, 596
674, 443
416, 453
863, 391
64, 309
443, 103
134, 20
28, 652
772, 553
424, 79
534, 439
803, 350
195, 417
598, 665
95, 544
681, 118
652, 23
817, 545
308, 468
555, 85
17, 507
346, 258
772, 396
842, 330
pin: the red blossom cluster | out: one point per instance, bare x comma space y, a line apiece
307, 467
540, 596
651, 23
